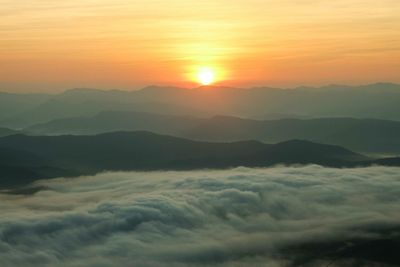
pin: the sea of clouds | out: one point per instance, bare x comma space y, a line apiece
281, 216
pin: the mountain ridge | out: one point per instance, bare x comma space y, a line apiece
361, 135
378, 101
54, 156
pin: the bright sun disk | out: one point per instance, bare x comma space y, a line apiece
206, 76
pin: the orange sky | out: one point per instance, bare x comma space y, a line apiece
54, 45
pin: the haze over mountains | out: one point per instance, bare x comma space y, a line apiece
206, 127
6, 131
230, 158
363, 135
222, 171
378, 101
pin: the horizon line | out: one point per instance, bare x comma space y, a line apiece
202, 87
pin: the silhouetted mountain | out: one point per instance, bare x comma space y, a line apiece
6, 131
389, 161
89, 102
111, 121
371, 101
375, 252
14, 104
148, 151
20, 167
363, 135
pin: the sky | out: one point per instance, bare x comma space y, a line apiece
48, 45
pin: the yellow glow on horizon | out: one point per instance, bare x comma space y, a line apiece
131, 44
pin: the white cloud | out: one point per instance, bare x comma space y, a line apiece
278, 216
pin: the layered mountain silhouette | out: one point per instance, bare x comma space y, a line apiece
52, 156
362, 135
379, 101
85, 131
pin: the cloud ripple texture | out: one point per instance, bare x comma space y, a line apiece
280, 216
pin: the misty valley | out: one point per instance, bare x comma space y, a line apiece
182, 133
201, 177
278, 216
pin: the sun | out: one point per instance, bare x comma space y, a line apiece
206, 76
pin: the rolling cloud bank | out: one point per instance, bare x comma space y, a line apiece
281, 216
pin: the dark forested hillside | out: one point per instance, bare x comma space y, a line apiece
50, 156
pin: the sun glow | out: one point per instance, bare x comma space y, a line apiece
206, 76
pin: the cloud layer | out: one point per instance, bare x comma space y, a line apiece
282, 216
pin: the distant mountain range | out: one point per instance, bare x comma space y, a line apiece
379, 101
12, 105
25, 158
361, 135
85, 131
